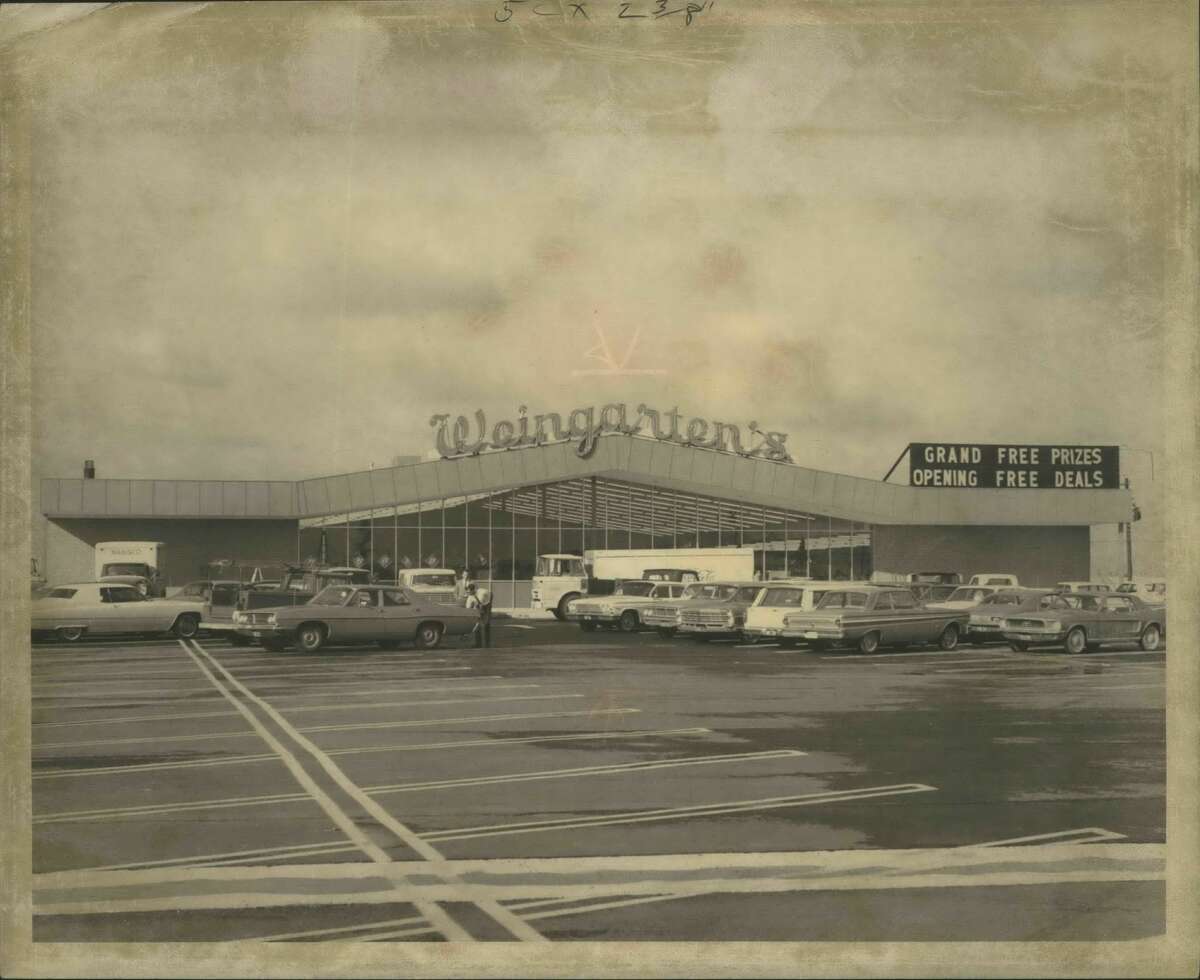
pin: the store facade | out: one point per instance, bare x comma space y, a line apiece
492, 513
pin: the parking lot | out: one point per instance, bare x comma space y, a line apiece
604, 786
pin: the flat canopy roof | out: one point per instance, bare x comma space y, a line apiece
631, 459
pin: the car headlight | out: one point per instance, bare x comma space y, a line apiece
271, 619
607, 610
1054, 626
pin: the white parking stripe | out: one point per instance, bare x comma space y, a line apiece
197, 860
361, 749
432, 912
618, 903
1086, 835
311, 707
348, 932
675, 813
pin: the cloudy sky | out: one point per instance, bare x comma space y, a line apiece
269, 241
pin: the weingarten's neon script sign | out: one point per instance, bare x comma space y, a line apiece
461, 438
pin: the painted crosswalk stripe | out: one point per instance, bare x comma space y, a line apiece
1084, 835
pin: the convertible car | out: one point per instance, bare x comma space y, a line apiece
384, 614
1085, 621
95, 608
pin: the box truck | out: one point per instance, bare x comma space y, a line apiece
562, 578
138, 563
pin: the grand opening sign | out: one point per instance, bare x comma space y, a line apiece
947, 464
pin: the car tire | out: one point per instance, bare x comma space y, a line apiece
1076, 641
629, 621
560, 611
428, 636
186, 626
868, 642
666, 632
588, 627
71, 634
310, 637
949, 638
1151, 638
1018, 646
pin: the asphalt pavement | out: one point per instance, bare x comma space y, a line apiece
601, 786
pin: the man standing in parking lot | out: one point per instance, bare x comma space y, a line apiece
481, 598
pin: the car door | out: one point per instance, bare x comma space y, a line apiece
1122, 619
126, 610
398, 617
361, 617
912, 626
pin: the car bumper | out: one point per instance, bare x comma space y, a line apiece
592, 617
983, 632
1035, 636
710, 629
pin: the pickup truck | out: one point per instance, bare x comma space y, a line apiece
297, 586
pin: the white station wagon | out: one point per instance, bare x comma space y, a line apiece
94, 608
767, 618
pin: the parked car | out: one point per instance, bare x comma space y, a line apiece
986, 622
663, 614
72, 612
1085, 621
869, 617
201, 590
623, 608
935, 578
684, 575
724, 614
1150, 590
299, 584
387, 615
766, 618
1081, 587
1002, 579
964, 598
931, 592
434, 584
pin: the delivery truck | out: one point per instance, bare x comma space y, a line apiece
138, 563
562, 578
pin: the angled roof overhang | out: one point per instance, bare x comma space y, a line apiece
631, 459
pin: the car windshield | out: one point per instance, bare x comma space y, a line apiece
843, 600
126, 568
634, 588
61, 593
968, 595
782, 597
333, 595
1003, 599
440, 579
747, 593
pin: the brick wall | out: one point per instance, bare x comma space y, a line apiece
1036, 555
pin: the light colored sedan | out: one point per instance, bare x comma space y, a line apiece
384, 614
100, 609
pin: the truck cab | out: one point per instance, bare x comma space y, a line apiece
558, 581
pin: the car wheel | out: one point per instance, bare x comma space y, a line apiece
1076, 641
71, 634
1151, 637
310, 637
1018, 645
949, 638
629, 621
560, 611
588, 627
666, 632
187, 626
869, 643
429, 635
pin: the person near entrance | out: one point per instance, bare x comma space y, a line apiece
480, 597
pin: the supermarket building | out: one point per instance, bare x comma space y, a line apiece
494, 511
